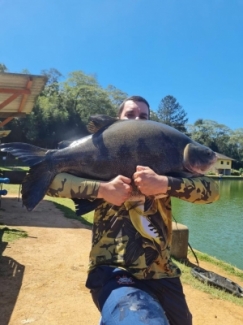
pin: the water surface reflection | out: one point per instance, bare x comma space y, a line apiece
216, 229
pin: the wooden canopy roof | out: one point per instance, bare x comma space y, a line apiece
18, 93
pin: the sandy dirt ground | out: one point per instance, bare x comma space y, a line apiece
42, 277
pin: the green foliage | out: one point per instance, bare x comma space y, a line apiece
212, 134
3, 68
154, 116
84, 97
116, 96
236, 145
171, 113
25, 71
211, 173
235, 172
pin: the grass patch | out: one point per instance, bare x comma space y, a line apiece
9, 234
228, 268
68, 208
14, 168
13, 189
216, 293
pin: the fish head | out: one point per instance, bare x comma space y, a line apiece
198, 158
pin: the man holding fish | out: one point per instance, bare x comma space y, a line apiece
131, 276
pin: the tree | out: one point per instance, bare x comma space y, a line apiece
212, 134
202, 132
154, 116
116, 95
84, 96
3, 68
236, 145
171, 113
52, 85
25, 71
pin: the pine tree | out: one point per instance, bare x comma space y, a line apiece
171, 113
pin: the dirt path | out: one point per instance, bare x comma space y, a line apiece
42, 277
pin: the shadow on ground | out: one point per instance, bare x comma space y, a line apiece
11, 277
46, 214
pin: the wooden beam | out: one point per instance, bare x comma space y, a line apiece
25, 96
12, 114
8, 100
6, 121
22, 92
14, 91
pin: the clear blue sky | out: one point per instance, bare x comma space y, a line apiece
190, 49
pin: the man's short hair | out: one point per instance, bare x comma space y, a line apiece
135, 99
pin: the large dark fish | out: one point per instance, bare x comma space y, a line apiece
115, 148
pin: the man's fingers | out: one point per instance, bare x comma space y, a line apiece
125, 179
140, 168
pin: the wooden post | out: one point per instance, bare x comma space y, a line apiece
179, 245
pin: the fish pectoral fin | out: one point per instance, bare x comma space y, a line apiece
35, 185
97, 122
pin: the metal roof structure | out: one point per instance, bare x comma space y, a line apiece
220, 156
18, 94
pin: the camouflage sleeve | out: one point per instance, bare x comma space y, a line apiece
69, 186
201, 190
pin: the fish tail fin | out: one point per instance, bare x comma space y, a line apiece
39, 177
29, 154
36, 184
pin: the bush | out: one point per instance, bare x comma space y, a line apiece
235, 172
211, 173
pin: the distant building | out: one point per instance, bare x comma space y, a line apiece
223, 165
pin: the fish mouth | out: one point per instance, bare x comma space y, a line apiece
198, 158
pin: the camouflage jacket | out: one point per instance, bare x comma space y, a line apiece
137, 236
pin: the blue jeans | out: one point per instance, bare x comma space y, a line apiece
125, 300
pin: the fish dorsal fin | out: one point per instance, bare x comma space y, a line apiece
97, 122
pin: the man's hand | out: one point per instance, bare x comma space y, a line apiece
117, 191
150, 183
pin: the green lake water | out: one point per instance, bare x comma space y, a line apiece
217, 228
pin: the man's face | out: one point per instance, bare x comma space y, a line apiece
133, 110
